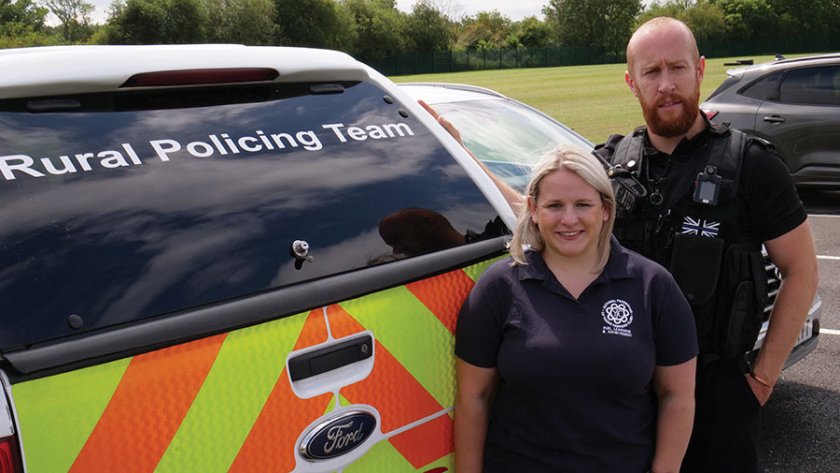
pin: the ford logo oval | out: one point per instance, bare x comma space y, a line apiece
337, 435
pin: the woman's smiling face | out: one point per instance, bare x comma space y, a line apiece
569, 214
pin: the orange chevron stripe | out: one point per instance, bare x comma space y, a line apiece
270, 444
398, 397
147, 408
427, 442
314, 330
343, 324
443, 295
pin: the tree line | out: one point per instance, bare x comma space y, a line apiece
372, 30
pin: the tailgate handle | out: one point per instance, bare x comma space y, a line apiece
313, 363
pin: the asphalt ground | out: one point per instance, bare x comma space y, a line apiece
801, 423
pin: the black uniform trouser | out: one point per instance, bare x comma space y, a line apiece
727, 421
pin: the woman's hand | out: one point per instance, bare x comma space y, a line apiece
675, 389
476, 386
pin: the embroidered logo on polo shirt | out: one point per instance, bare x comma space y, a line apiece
618, 315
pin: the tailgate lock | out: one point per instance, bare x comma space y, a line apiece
300, 251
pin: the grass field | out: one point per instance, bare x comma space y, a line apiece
593, 100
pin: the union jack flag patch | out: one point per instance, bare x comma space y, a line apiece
696, 226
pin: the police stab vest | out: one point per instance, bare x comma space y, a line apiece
694, 231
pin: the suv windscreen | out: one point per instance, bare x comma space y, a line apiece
508, 138
118, 212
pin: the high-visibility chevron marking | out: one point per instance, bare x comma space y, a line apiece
413, 327
382, 457
437, 466
235, 391
426, 442
397, 396
147, 408
314, 330
343, 324
271, 442
390, 388
474, 271
443, 295
448, 411
413, 335
54, 428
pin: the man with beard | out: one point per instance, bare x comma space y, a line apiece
711, 197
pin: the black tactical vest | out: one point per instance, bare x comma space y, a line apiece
695, 234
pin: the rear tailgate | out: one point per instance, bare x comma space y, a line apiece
227, 402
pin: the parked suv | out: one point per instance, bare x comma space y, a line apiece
228, 258
795, 105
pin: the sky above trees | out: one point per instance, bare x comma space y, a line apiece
513, 9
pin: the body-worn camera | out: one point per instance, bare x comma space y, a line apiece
629, 190
707, 186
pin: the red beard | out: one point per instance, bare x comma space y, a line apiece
673, 127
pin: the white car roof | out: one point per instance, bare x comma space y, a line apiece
439, 92
58, 70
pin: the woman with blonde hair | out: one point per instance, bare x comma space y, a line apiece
574, 355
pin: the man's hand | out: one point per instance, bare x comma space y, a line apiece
760, 391
796, 258
514, 199
446, 124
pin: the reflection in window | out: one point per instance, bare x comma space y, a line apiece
170, 208
416, 231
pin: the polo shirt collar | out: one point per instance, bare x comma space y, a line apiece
619, 265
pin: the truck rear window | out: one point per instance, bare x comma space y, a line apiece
120, 207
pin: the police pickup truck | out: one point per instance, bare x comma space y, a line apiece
228, 258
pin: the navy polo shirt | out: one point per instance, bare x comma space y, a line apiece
576, 375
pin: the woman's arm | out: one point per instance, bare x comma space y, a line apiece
675, 389
476, 387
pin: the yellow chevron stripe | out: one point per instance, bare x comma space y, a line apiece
413, 335
57, 414
474, 271
246, 369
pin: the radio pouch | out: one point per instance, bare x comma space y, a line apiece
743, 298
696, 266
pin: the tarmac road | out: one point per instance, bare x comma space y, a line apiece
801, 423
